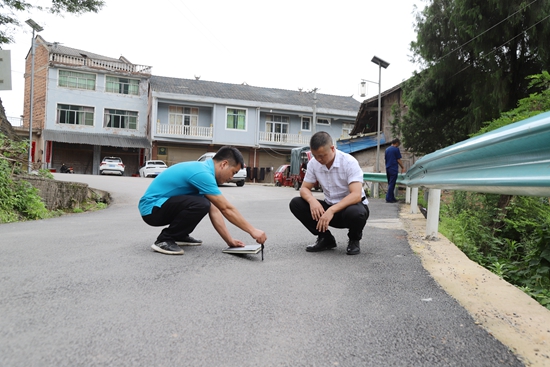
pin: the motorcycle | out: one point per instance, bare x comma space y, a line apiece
65, 169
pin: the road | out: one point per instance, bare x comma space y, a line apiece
87, 290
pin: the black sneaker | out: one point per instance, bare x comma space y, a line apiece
168, 248
189, 241
322, 244
353, 247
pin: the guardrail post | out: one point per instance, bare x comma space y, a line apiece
375, 190
432, 222
414, 200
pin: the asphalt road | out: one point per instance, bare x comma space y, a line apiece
87, 290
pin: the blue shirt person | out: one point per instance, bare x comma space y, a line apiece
393, 162
182, 195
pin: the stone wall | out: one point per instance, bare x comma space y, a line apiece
65, 195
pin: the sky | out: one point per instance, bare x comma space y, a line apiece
299, 44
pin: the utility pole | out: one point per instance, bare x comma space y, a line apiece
314, 122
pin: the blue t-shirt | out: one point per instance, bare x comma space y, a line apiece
186, 178
392, 155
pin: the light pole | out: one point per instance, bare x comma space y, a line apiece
381, 64
35, 28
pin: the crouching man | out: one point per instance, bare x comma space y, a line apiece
345, 204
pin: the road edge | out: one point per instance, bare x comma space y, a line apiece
507, 313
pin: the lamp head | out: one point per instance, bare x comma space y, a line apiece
380, 62
34, 25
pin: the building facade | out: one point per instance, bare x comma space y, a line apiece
87, 106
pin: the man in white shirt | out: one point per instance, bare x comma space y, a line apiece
345, 204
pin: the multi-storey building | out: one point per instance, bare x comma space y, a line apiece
87, 106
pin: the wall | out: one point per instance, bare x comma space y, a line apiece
65, 195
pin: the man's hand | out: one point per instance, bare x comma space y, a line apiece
317, 209
259, 236
235, 243
323, 222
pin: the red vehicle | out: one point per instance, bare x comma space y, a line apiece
282, 176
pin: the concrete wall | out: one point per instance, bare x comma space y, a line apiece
65, 195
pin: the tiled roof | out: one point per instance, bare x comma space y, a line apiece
58, 48
249, 93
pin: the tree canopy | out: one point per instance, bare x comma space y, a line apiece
9, 10
476, 56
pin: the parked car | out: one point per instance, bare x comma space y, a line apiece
111, 166
237, 179
152, 168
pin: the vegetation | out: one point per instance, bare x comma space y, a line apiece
476, 56
508, 235
19, 200
9, 8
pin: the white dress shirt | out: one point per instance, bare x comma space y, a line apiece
335, 181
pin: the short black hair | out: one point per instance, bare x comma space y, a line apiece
395, 141
320, 139
230, 154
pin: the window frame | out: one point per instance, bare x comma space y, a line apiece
88, 113
120, 119
323, 118
302, 123
187, 118
227, 108
118, 86
75, 76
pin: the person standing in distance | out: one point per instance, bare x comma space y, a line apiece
345, 204
393, 162
184, 193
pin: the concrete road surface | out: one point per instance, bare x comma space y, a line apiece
87, 290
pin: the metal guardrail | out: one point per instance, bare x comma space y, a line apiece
512, 160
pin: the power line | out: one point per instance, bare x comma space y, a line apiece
497, 47
482, 33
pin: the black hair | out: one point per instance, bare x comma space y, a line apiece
230, 154
395, 141
320, 139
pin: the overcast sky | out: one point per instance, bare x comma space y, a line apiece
285, 44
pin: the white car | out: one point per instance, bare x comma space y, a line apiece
152, 168
237, 179
111, 166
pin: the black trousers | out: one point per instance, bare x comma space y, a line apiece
181, 213
354, 217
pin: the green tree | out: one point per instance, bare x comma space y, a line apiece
476, 56
9, 10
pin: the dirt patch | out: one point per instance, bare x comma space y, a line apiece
507, 313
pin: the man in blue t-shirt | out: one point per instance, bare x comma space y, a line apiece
393, 162
182, 195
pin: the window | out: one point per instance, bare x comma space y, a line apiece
188, 116
122, 85
306, 123
347, 129
72, 79
276, 124
75, 115
119, 119
236, 119
323, 122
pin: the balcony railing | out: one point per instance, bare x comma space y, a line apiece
284, 139
185, 130
103, 64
